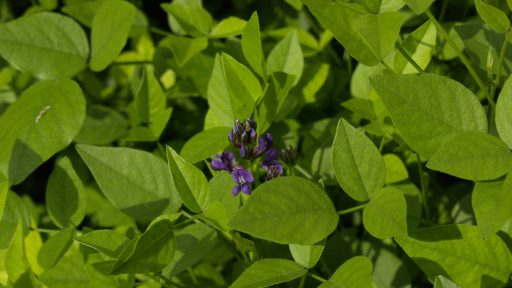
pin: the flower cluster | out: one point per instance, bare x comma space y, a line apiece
244, 137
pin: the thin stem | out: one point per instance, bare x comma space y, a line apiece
461, 55
423, 184
46, 231
317, 277
132, 63
159, 31
443, 11
408, 57
301, 282
350, 210
303, 171
501, 58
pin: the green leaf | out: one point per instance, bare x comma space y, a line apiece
287, 57
102, 126
189, 181
4, 191
15, 260
287, 210
228, 27
419, 6
185, 48
492, 16
443, 282
379, 32
205, 144
472, 155
46, 45
232, 90
189, 16
488, 200
357, 163
268, 272
135, 181
459, 252
109, 32
307, 255
43, 121
356, 272
151, 252
222, 206
108, 242
427, 107
65, 195
395, 169
251, 45
337, 17
193, 244
54, 248
419, 46
503, 115
386, 214
373, 5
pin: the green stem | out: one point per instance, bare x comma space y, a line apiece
159, 31
46, 231
496, 82
301, 282
408, 57
423, 184
350, 210
461, 55
303, 171
317, 277
132, 63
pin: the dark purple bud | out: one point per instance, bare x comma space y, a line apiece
243, 133
264, 144
243, 179
224, 161
275, 170
272, 165
289, 155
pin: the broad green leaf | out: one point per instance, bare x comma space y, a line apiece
356, 272
488, 200
503, 115
287, 57
419, 46
419, 6
102, 126
307, 255
395, 169
443, 282
492, 16
373, 5
193, 244
46, 45
379, 32
357, 163
189, 17
459, 252
65, 195
15, 212
135, 181
150, 105
189, 181
251, 45
108, 242
287, 210
109, 32
205, 144
54, 248
427, 107
222, 206
152, 250
15, 260
71, 271
185, 48
33, 243
4, 191
232, 90
472, 155
228, 27
268, 272
337, 17
43, 121
386, 214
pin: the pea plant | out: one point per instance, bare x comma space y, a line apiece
286, 143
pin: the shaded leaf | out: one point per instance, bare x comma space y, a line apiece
268, 272
386, 214
356, 272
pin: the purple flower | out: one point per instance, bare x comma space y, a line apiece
264, 143
243, 179
272, 165
224, 161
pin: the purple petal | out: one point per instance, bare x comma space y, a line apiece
217, 165
246, 174
243, 151
236, 190
246, 188
271, 155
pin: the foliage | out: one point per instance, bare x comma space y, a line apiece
287, 143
